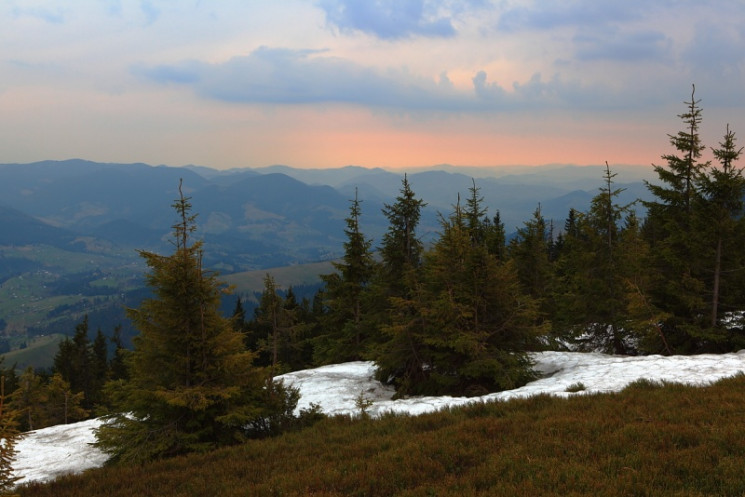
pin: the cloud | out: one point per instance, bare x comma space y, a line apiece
596, 30
389, 19
150, 10
717, 51
50, 15
716, 62
487, 91
579, 13
613, 44
283, 76
287, 77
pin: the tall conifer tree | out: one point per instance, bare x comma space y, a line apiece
346, 296
397, 280
722, 209
676, 242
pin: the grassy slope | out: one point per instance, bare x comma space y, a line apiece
301, 274
39, 353
646, 440
26, 299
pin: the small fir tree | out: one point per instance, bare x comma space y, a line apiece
530, 249
192, 386
467, 326
29, 400
62, 405
9, 437
593, 278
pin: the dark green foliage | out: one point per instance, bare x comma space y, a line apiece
346, 333
278, 331
598, 280
9, 437
192, 386
671, 232
401, 250
396, 285
239, 316
531, 252
75, 363
117, 365
467, 325
692, 231
84, 364
721, 206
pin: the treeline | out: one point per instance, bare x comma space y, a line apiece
458, 316
72, 390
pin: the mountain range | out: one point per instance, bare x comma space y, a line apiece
274, 216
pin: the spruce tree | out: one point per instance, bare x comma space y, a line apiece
239, 316
401, 250
396, 281
722, 209
496, 237
74, 361
594, 301
9, 436
99, 370
62, 404
192, 386
676, 242
278, 330
346, 334
29, 401
117, 364
643, 319
531, 251
467, 325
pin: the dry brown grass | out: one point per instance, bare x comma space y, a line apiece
647, 440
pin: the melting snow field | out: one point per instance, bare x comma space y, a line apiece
47, 453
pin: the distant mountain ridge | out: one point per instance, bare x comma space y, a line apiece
289, 215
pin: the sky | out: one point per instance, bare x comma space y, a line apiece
375, 83
45, 454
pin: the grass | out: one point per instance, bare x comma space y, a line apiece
300, 274
576, 387
38, 353
650, 439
